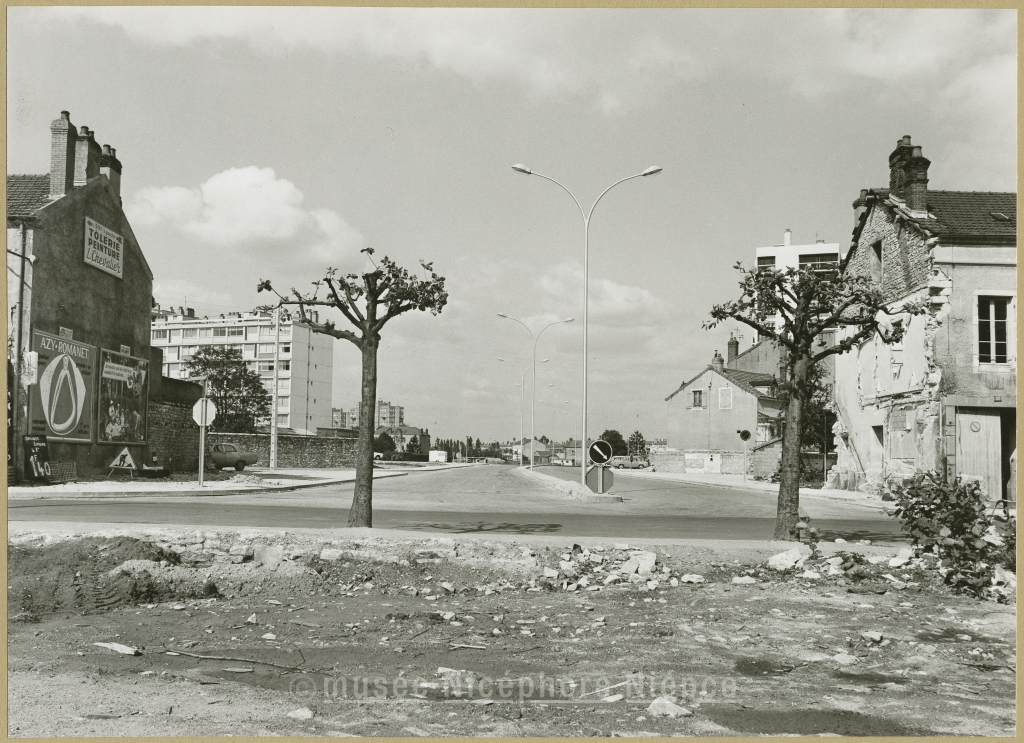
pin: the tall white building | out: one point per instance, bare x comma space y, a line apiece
305, 358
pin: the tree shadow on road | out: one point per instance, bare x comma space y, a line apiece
481, 526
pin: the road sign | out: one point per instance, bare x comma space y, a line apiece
744, 435
600, 451
204, 411
600, 479
123, 461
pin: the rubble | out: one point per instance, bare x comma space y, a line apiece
744, 580
793, 558
302, 713
118, 648
329, 554
666, 707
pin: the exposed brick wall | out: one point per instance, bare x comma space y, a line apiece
698, 462
905, 258
173, 436
765, 460
293, 451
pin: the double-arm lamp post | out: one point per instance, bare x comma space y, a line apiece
586, 285
533, 394
522, 394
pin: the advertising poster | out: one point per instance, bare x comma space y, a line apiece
123, 396
62, 399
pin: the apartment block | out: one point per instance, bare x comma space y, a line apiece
305, 359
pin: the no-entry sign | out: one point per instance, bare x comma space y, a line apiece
600, 451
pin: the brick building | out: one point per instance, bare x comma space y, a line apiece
945, 397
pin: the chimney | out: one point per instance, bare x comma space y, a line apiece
733, 349
897, 167
62, 156
916, 175
717, 363
110, 166
860, 204
87, 157
787, 237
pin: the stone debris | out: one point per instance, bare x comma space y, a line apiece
691, 578
902, 558
329, 554
302, 713
1004, 577
251, 619
550, 573
872, 636
613, 698
810, 575
793, 558
118, 648
744, 580
666, 707
269, 636
845, 659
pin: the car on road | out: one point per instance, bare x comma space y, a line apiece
632, 463
232, 455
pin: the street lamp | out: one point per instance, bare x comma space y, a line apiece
522, 393
533, 396
520, 168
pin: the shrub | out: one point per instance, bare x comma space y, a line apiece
951, 520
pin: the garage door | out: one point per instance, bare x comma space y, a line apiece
978, 447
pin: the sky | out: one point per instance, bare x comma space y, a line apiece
273, 143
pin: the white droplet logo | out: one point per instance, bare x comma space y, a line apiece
63, 397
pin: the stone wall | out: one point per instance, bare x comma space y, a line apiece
764, 460
694, 461
293, 451
173, 436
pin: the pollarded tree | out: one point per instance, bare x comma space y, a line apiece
367, 302
236, 390
794, 307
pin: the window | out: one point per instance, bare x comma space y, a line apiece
187, 351
171, 353
875, 262
220, 332
698, 398
725, 398
190, 333
284, 365
159, 335
992, 318
236, 332
819, 261
765, 261
283, 403
282, 420
266, 349
286, 348
205, 332
265, 366
284, 385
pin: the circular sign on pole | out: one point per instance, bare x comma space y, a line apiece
744, 435
204, 411
600, 451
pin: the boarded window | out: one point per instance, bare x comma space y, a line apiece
992, 312
725, 398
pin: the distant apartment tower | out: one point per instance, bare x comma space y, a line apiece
341, 418
818, 255
305, 358
389, 415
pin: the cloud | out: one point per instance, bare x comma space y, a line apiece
610, 303
247, 206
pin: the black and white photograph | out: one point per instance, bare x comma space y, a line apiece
464, 372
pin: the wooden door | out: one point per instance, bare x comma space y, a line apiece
978, 448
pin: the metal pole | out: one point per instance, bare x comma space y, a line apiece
533, 403
744, 460
586, 317
202, 436
522, 430
19, 465
273, 404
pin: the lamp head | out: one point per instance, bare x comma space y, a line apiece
569, 319
502, 314
653, 170
522, 169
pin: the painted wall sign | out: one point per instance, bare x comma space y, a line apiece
104, 248
37, 458
122, 398
62, 401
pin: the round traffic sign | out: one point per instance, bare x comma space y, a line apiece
204, 411
600, 451
744, 435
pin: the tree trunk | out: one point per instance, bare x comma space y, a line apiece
788, 513
361, 513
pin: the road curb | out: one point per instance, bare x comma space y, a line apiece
79, 494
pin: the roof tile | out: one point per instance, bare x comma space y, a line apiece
26, 194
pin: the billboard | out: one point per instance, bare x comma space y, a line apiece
122, 398
62, 399
104, 248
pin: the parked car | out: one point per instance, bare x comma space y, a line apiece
630, 462
232, 455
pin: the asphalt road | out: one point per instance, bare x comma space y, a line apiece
481, 500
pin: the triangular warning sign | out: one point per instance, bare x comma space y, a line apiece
123, 460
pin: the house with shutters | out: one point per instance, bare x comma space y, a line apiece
713, 407
944, 398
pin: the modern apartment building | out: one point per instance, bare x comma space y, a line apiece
389, 415
305, 358
341, 418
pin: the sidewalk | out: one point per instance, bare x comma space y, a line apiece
265, 481
736, 482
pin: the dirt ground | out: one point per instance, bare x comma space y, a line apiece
466, 637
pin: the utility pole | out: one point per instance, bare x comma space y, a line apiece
273, 403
